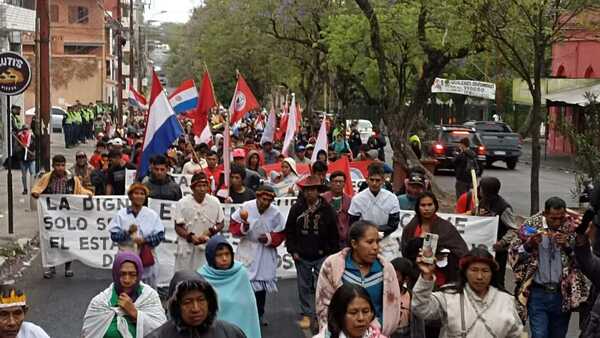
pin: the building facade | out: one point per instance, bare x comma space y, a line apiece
78, 51
577, 57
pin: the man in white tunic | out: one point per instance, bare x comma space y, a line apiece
380, 207
13, 308
197, 217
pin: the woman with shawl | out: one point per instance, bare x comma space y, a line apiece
285, 183
128, 308
234, 292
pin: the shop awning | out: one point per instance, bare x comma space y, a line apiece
577, 96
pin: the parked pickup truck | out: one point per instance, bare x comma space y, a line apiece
500, 142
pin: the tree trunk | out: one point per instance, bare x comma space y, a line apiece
403, 155
535, 159
534, 129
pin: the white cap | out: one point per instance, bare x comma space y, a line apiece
116, 142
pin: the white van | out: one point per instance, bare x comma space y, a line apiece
364, 127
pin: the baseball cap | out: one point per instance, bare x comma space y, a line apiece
300, 148
116, 142
239, 152
416, 178
80, 153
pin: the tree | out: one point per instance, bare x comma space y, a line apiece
298, 25
405, 72
586, 140
523, 31
227, 35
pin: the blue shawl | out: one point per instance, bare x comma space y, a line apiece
237, 304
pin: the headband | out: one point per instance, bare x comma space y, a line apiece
266, 193
12, 299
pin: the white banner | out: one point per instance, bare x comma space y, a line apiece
486, 90
76, 228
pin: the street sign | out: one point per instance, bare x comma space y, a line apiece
15, 77
15, 74
485, 90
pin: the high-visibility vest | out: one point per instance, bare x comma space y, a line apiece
77, 116
86, 115
17, 124
69, 119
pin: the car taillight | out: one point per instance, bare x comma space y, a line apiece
481, 150
438, 148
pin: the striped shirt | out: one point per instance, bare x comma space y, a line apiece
372, 282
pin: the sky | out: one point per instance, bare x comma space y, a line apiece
176, 10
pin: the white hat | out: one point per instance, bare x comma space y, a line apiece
290, 161
116, 142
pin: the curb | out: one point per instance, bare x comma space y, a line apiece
550, 167
16, 257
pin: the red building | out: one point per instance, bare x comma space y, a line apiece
577, 57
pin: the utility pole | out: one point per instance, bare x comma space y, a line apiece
119, 67
141, 57
43, 83
131, 44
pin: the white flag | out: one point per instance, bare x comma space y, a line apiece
291, 128
269, 131
321, 141
205, 137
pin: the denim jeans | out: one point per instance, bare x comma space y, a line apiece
546, 318
307, 273
27, 167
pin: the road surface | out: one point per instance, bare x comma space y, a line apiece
58, 305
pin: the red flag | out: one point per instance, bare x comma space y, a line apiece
243, 101
343, 164
283, 122
206, 101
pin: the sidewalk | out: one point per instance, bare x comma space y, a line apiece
26, 219
556, 162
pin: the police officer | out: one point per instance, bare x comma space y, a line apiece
67, 124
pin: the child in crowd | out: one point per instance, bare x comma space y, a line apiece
409, 326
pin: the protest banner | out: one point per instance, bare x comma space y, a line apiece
77, 228
486, 90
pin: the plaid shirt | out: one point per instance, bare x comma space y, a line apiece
58, 185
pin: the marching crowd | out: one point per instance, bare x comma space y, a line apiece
354, 278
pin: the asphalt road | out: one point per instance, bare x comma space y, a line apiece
516, 184
58, 305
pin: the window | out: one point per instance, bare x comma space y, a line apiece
78, 15
54, 13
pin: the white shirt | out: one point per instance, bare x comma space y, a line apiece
374, 208
30, 330
190, 167
147, 221
197, 217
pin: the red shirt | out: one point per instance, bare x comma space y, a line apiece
461, 204
213, 177
96, 160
